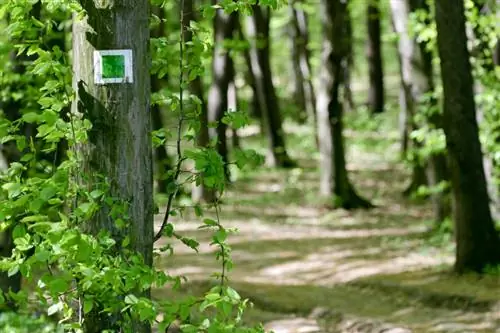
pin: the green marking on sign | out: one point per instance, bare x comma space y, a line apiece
113, 66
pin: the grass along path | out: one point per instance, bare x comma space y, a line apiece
310, 269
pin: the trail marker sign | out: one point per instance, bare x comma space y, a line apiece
113, 66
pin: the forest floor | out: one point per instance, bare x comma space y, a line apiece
307, 268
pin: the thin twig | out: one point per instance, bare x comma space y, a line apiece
180, 159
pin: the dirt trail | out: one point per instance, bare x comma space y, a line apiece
293, 257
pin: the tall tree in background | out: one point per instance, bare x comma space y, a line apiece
303, 90
201, 192
374, 55
120, 116
335, 183
258, 31
348, 63
162, 162
478, 243
417, 80
224, 27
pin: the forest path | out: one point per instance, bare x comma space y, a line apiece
304, 266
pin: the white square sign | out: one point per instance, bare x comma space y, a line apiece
113, 66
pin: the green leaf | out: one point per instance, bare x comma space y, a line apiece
54, 308
31, 117
210, 222
233, 294
88, 305
131, 299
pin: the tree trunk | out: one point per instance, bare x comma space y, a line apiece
417, 80
224, 27
348, 64
298, 44
482, 54
334, 179
232, 103
162, 162
374, 55
303, 87
201, 192
258, 29
119, 144
478, 244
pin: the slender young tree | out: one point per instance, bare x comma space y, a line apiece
303, 90
201, 192
224, 28
119, 144
335, 183
417, 80
478, 244
348, 64
374, 55
258, 31
162, 161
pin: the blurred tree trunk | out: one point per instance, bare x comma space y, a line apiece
335, 183
201, 192
119, 144
224, 27
162, 162
348, 65
258, 30
232, 103
482, 54
303, 90
374, 55
478, 244
417, 80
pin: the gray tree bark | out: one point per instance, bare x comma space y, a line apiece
417, 80
258, 31
335, 184
478, 244
224, 28
201, 192
119, 145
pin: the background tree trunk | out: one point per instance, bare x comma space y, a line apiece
417, 80
119, 145
374, 55
224, 27
334, 180
163, 162
258, 30
198, 193
478, 244
348, 65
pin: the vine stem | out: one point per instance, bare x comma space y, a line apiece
180, 159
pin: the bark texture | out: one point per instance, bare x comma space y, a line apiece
417, 80
162, 161
201, 192
303, 90
258, 31
334, 184
224, 28
374, 55
478, 243
119, 144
